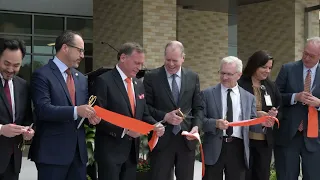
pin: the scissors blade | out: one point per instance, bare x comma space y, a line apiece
156, 124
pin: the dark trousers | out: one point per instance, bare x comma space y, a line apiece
230, 162
260, 159
9, 173
177, 155
75, 170
109, 170
287, 160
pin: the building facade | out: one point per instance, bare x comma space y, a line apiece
209, 29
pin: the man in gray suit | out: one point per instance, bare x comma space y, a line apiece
226, 149
299, 85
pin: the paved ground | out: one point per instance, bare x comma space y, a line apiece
29, 171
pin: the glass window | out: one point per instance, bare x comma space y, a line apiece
85, 65
88, 47
26, 39
15, 23
48, 25
39, 61
44, 45
25, 70
83, 26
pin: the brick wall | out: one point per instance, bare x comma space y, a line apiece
205, 37
270, 26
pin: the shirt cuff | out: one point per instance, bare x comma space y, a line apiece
75, 113
124, 132
0, 129
292, 99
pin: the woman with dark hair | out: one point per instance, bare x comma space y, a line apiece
255, 79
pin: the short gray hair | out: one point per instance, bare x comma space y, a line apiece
315, 41
174, 45
232, 59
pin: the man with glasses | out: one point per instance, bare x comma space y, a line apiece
226, 149
60, 98
299, 82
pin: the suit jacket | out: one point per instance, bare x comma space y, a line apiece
272, 90
57, 136
212, 139
112, 95
23, 116
160, 101
290, 80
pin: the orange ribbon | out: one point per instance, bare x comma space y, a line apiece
312, 130
255, 121
123, 121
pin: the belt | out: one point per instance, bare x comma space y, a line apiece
256, 136
230, 139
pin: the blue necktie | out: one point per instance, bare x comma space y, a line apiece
175, 92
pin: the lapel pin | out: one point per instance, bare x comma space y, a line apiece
76, 74
135, 82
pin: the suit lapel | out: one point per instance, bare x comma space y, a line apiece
76, 85
4, 98
59, 76
118, 81
217, 99
165, 82
298, 72
316, 80
136, 92
183, 84
16, 90
243, 102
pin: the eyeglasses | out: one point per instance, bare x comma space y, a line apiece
226, 74
79, 49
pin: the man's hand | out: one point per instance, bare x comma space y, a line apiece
86, 111
173, 118
159, 129
222, 124
28, 134
94, 120
193, 130
312, 101
302, 97
273, 112
133, 134
12, 130
268, 123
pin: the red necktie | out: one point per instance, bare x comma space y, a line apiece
130, 95
7, 92
70, 86
307, 85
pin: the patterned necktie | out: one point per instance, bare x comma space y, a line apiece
229, 131
307, 86
71, 87
175, 93
7, 92
130, 95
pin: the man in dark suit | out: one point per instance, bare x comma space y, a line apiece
118, 90
15, 109
226, 149
170, 88
298, 83
60, 95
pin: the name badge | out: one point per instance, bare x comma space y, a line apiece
268, 100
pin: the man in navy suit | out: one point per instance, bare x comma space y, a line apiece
59, 94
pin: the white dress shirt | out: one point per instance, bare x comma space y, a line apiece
236, 108
10, 84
